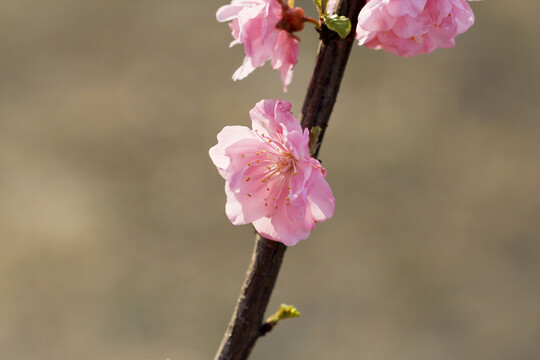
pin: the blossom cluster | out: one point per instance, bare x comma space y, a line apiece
402, 27
271, 180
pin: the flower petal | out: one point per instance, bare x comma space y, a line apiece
244, 70
321, 199
228, 136
228, 12
281, 228
242, 209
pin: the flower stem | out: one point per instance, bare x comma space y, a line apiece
313, 21
245, 326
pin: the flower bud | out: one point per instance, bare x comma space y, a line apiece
293, 19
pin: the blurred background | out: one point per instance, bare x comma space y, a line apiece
114, 243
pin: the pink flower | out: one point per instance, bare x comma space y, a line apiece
271, 179
411, 27
265, 28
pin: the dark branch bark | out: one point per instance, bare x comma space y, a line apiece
331, 62
247, 319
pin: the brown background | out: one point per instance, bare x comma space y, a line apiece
113, 239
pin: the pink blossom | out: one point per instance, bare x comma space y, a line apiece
271, 179
411, 27
265, 29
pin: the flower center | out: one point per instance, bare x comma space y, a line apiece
271, 172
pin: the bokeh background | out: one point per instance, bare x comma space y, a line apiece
113, 239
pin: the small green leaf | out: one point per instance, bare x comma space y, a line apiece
319, 6
314, 134
339, 24
284, 312
324, 3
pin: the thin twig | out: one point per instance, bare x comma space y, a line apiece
247, 319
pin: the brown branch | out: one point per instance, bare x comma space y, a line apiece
331, 62
247, 319
246, 322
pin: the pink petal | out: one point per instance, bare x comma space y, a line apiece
296, 211
301, 181
464, 16
244, 70
321, 199
285, 57
407, 27
268, 115
228, 136
397, 8
242, 209
297, 140
374, 17
228, 12
280, 228
363, 36
241, 155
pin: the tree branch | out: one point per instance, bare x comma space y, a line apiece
245, 325
331, 62
247, 319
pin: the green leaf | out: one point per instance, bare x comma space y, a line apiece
339, 24
319, 6
314, 134
323, 6
284, 312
